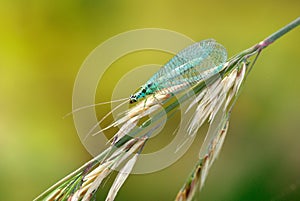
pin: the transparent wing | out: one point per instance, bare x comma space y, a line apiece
191, 63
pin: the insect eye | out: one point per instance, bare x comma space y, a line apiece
132, 98
149, 85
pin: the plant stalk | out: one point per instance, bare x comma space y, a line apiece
228, 67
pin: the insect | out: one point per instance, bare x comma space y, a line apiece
191, 65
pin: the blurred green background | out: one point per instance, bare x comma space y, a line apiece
43, 44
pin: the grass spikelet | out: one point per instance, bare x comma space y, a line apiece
213, 103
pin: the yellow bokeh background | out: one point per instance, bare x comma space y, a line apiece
44, 43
